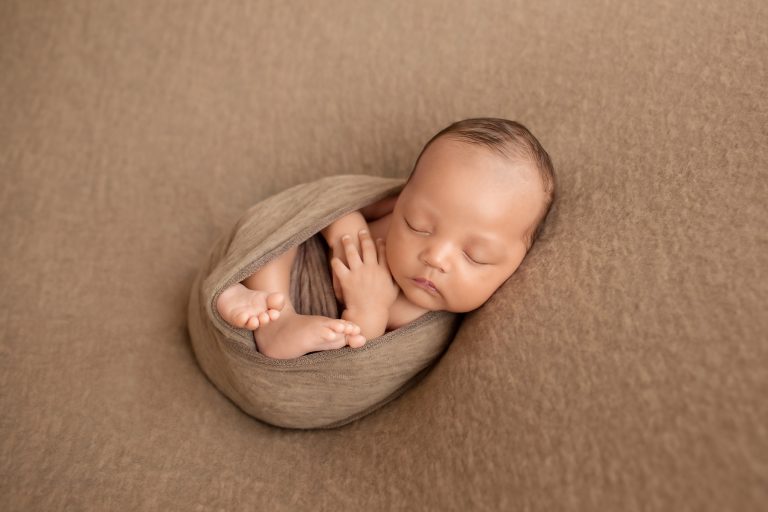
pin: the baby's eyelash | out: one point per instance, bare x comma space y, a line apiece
411, 227
474, 260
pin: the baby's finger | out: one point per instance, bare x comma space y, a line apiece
368, 247
382, 251
338, 267
337, 291
353, 257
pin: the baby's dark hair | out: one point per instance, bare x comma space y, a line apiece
513, 141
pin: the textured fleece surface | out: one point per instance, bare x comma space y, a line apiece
623, 367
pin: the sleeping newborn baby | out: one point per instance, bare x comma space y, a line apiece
468, 214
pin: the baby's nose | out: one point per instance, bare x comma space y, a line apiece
437, 257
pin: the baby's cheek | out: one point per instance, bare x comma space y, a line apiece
470, 295
389, 253
394, 257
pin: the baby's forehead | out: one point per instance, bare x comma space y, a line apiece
493, 184
463, 162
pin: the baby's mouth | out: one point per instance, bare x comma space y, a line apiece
426, 284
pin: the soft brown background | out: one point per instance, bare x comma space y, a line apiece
623, 367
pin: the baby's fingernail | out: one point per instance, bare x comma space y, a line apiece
345, 237
363, 231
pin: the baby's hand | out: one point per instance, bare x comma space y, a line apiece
337, 251
367, 284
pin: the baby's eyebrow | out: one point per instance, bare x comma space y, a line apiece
491, 240
488, 248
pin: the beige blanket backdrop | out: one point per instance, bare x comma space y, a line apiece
622, 367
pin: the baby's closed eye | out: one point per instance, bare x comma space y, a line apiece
410, 226
475, 260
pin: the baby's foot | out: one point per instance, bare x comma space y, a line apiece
249, 309
295, 335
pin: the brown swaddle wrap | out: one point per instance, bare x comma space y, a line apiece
322, 389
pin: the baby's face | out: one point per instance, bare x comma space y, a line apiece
460, 223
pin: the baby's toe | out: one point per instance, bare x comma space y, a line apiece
356, 340
252, 323
263, 318
276, 301
338, 326
241, 319
273, 314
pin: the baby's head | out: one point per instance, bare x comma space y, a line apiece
473, 206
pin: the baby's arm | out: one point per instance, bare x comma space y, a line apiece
372, 323
350, 224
